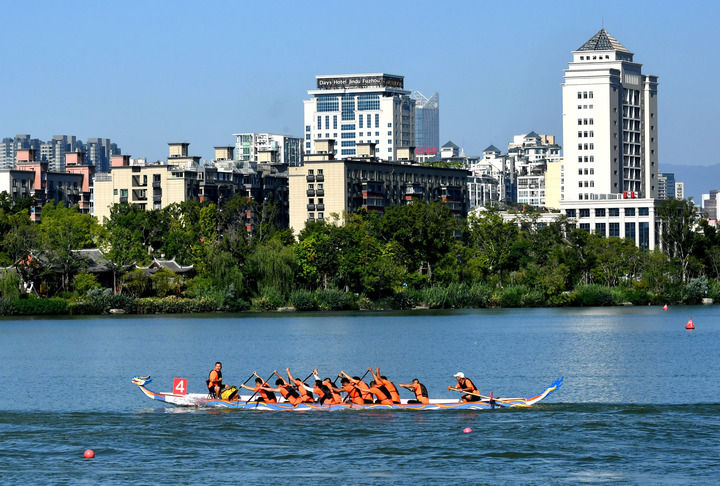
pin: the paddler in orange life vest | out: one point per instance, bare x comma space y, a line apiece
380, 393
356, 389
286, 390
322, 392
383, 382
214, 381
421, 393
304, 391
265, 396
465, 385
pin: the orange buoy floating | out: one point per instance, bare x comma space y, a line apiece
665, 307
89, 454
690, 326
467, 430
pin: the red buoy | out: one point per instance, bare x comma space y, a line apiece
690, 326
89, 454
665, 307
467, 430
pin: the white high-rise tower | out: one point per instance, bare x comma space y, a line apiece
609, 124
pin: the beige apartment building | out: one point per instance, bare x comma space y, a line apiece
149, 187
324, 186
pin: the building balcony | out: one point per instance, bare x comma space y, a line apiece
310, 178
319, 178
320, 207
311, 207
123, 199
320, 192
311, 192
156, 184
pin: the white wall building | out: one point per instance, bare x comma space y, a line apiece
609, 123
288, 150
679, 190
360, 108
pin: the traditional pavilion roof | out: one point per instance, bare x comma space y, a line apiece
532, 134
450, 144
603, 41
492, 148
171, 265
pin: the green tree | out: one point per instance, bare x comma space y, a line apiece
679, 218
63, 230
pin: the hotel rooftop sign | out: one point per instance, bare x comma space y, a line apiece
360, 81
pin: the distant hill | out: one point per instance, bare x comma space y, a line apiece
698, 179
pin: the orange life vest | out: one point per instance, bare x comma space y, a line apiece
421, 394
365, 390
467, 385
380, 395
294, 398
214, 378
354, 394
304, 394
268, 397
390, 387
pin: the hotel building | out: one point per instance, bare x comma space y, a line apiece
610, 168
360, 108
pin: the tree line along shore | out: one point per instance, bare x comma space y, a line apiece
413, 256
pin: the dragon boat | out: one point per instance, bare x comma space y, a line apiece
201, 400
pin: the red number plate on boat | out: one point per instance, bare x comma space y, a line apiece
180, 386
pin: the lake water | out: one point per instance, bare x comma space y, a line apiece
639, 403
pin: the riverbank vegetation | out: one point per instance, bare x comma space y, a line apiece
418, 255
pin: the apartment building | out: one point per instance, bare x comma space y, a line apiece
325, 186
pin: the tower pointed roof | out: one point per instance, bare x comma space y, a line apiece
603, 41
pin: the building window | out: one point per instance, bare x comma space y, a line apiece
614, 229
630, 231
644, 234
389, 125
307, 128
307, 145
349, 126
600, 229
319, 123
643, 212
585, 213
307, 136
629, 211
327, 103
334, 122
377, 121
570, 213
585, 227
599, 212
360, 121
614, 212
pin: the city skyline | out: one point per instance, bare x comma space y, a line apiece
201, 73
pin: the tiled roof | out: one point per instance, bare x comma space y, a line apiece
492, 148
450, 144
602, 41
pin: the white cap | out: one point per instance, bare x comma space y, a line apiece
459, 374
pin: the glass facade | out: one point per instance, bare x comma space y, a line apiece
368, 102
327, 103
348, 107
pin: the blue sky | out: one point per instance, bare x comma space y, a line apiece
147, 73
